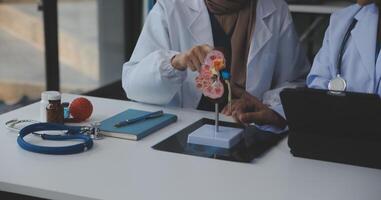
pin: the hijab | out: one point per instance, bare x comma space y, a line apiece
237, 18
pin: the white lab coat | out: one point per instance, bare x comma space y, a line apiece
275, 59
359, 67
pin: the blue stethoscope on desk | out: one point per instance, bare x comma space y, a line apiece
338, 83
84, 133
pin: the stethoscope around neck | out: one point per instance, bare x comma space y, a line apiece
338, 83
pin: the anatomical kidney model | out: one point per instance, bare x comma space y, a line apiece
208, 81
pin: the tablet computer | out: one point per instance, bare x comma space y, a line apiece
335, 126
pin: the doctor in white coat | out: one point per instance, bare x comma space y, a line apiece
361, 64
178, 34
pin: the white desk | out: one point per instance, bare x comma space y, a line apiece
122, 169
326, 8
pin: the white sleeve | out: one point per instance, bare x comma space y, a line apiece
291, 68
320, 74
148, 76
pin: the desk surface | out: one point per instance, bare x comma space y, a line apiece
326, 8
122, 169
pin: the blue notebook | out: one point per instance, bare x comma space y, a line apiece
135, 131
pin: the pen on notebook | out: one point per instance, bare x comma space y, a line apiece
138, 119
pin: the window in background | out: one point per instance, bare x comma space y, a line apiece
95, 38
22, 66
78, 45
94, 42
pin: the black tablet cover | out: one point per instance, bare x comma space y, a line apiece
342, 127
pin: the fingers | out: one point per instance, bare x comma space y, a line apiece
236, 117
266, 117
263, 117
227, 110
235, 106
206, 49
253, 117
192, 59
249, 110
200, 54
195, 58
193, 63
236, 112
197, 55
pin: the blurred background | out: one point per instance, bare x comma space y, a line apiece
79, 46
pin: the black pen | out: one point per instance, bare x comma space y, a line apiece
138, 119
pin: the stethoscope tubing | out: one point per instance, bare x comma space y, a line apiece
73, 133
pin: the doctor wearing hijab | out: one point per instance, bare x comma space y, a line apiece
257, 37
359, 67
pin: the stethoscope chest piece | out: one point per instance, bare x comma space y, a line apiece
337, 84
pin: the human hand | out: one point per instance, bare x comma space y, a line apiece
248, 109
245, 102
192, 59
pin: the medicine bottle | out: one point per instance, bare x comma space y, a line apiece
44, 103
54, 110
